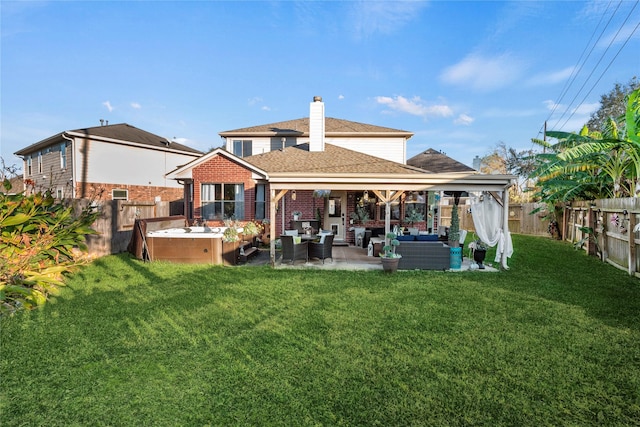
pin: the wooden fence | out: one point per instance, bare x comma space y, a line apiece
613, 222
117, 217
521, 219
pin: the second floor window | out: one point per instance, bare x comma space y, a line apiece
29, 170
39, 161
242, 148
222, 201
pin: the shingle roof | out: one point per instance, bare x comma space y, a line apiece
300, 127
120, 132
126, 132
435, 162
333, 159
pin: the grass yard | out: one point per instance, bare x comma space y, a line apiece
553, 341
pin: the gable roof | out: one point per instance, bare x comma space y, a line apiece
185, 171
122, 133
334, 159
300, 127
436, 162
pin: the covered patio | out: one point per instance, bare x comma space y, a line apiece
388, 188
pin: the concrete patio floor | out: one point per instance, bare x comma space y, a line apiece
344, 258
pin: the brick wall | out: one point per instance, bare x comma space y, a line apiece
221, 170
137, 193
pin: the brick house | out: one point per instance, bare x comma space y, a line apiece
330, 170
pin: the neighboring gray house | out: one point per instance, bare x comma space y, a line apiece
114, 162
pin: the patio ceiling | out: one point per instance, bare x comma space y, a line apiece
409, 182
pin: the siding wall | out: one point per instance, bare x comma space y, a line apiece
53, 176
98, 161
393, 149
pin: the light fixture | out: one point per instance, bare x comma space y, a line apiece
293, 195
365, 196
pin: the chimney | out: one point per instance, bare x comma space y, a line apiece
316, 125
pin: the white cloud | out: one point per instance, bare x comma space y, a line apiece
484, 73
414, 106
551, 77
255, 100
108, 105
265, 108
340, 96
464, 120
136, 106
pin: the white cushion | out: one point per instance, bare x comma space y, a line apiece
290, 232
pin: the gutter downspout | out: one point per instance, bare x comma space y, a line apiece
73, 163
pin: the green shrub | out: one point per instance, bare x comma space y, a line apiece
41, 239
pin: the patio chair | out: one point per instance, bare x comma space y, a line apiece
322, 249
292, 251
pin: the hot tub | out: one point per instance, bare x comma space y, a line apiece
193, 245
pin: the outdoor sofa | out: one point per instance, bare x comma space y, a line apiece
423, 253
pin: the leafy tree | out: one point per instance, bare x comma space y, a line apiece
507, 160
612, 104
593, 165
41, 240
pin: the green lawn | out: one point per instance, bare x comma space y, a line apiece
553, 341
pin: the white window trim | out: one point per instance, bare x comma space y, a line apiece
113, 196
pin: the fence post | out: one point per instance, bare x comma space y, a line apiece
632, 244
591, 223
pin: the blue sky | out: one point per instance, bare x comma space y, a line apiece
463, 76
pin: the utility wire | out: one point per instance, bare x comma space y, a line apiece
576, 70
594, 68
607, 68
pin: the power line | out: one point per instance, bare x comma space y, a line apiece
607, 68
576, 70
596, 66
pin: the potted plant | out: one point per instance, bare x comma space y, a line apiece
296, 215
413, 215
479, 250
252, 229
360, 215
388, 256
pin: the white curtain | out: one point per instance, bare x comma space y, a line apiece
488, 217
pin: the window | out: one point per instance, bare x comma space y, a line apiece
39, 161
59, 193
120, 194
29, 171
222, 201
63, 156
280, 142
261, 201
242, 148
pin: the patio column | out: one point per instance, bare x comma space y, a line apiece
274, 199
